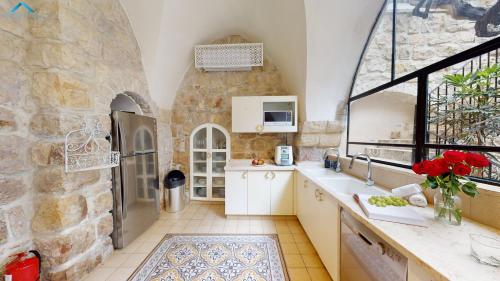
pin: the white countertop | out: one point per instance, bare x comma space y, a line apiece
246, 165
443, 250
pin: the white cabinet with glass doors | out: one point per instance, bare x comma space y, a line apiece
210, 150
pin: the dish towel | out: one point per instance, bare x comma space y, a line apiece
412, 193
418, 199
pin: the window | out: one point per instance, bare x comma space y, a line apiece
433, 86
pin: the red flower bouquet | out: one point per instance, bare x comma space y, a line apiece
448, 173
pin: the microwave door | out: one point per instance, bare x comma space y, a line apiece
277, 118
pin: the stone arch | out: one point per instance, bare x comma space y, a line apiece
209, 95
123, 102
141, 102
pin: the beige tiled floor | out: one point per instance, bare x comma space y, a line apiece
301, 259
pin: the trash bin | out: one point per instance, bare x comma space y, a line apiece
175, 186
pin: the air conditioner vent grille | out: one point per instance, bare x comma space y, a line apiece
229, 56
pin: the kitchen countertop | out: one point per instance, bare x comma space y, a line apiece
246, 165
443, 250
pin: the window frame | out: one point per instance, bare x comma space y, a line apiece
420, 144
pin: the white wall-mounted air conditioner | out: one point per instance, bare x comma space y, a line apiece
229, 57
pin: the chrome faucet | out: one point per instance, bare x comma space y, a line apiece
337, 151
369, 180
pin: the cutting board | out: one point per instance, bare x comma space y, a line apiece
405, 215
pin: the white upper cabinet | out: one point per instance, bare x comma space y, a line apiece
247, 115
264, 114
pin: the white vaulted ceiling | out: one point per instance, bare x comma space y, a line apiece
315, 43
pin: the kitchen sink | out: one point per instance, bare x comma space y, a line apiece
350, 186
321, 172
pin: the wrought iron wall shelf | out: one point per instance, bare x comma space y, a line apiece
89, 148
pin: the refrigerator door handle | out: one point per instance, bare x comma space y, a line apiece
120, 137
124, 190
124, 173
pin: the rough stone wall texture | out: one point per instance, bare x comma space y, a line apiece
315, 136
58, 66
205, 97
420, 42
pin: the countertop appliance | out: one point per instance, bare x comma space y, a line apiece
278, 118
136, 204
283, 155
365, 256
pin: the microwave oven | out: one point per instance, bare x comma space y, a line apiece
278, 118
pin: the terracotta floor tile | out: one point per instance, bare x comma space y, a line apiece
299, 274
146, 247
116, 259
312, 260
286, 238
282, 229
134, 260
301, 238
289, 248
121, 274
305, 248
301, 259
293, 261
319, 274
100, 274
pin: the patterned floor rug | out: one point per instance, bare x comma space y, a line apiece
214, 258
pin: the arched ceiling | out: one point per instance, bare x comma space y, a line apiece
315, 43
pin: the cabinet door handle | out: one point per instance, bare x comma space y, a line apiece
266, 175
274, 175
244, 175
318, 194
209, 155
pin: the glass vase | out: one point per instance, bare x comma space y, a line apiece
447, 207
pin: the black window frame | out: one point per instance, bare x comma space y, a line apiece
420, 136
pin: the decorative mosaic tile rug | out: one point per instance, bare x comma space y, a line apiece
214, 258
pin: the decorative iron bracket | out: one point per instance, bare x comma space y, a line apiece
89, 148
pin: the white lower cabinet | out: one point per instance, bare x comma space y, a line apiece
259, 193
282, 193
319, 215
417, 273
236, 193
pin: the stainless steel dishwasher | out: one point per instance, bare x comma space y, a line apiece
364, 256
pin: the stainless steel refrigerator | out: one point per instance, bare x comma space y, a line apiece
135, 182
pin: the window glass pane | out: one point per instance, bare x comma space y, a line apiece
425, 36
399, 155
464, 107
375, 67
385, 117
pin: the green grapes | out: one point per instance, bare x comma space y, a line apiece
384, 201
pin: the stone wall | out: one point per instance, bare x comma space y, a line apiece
315, 136
420, 42
205, 97
58, 66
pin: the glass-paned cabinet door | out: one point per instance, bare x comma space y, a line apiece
218, 163
210, 151
218, 187
218, 139
200, 139
200, 187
